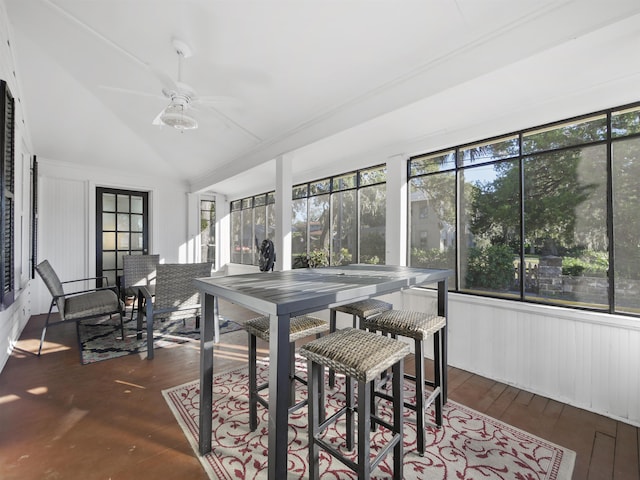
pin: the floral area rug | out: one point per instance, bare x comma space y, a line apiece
469, 446
100, 339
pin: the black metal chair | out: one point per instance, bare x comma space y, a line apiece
78, 305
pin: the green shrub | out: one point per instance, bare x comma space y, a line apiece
433, 258
590, 264
490, 267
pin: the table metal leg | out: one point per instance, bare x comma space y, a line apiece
278, 396
443, 290
209, 312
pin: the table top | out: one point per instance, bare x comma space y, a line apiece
310, 289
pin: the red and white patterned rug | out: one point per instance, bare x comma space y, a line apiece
469, 446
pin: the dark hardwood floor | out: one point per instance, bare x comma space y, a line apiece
108, 420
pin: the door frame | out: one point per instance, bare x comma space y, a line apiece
147, 228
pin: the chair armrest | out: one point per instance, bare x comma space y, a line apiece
70, 294
144, 291
105, 278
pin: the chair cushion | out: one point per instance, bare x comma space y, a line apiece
300, 327
92, 303
416, 325
355, 353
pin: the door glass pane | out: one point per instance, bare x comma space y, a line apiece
108, 202
136, 204
123, 241
109, 260
123, 222
136, 241
108, 221
137, 223
120, 260
208, 230
109, 241
123, 203
111, 277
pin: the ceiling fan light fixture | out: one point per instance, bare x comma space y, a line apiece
175, 116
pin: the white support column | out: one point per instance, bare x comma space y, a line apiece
193, 229
396, 227
223, 232
284, 184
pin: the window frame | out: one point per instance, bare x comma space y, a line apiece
593, 135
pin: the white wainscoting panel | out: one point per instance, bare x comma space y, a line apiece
586, 359
63, 232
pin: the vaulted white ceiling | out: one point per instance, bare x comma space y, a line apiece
334, 82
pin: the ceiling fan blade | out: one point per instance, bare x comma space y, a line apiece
167, 82
129, 91
157, 121
219, 100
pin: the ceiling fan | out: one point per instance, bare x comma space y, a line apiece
181, 96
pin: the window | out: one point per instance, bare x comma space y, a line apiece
547, 215
208, 231
252, 221
372, 197
340, 220
432, 236
625, 171
7, 206
334, 221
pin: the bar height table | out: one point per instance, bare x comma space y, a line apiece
281, 295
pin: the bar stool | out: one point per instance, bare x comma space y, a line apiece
360, 310
300, 327
361, 356
419, 326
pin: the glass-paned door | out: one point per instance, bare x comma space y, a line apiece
207, 231
121, 229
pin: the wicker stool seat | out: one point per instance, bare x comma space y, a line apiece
360, 310
300, 327
361, 356
419, 326
364, 308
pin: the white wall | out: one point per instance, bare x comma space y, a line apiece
66, 225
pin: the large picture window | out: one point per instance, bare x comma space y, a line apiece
547, 215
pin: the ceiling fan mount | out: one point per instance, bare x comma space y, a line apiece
180, 95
